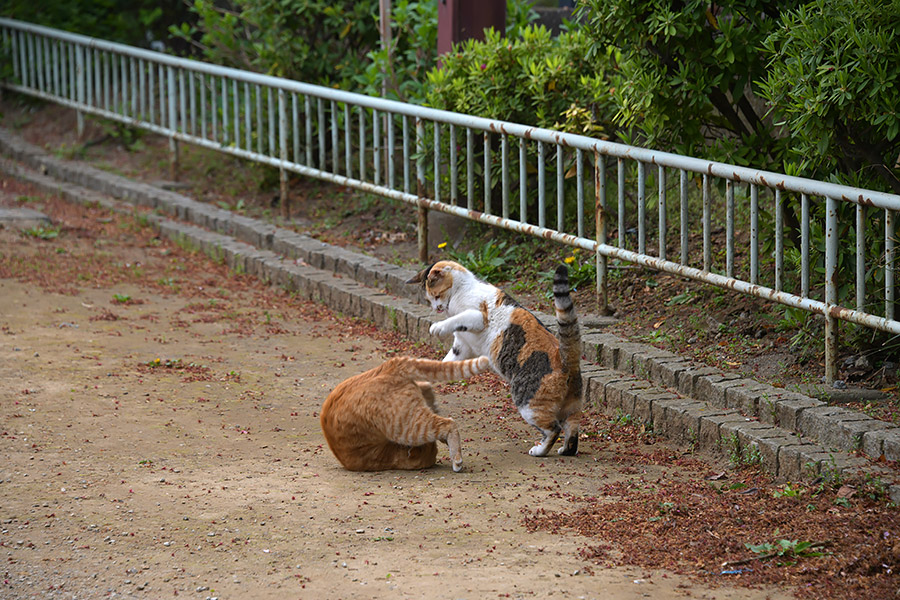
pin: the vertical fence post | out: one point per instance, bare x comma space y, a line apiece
754, 234
831, 325
348, 134
422, 222
307, 114
437, 161
388, 146
406, 157
620, 190
707, 237
295, 129
579, 191
362, 144
283, 154
322, 125
860, 257
487, 174
684, 216
376, 145
542, 174
504, 176
600, 223
523, 182
560, 189
889, 263
173, 125
80, 84
642, 207
470, 169
804, 245
454, 168
779, 240
729, 228
661, 182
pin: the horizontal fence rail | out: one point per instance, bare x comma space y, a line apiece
614, 201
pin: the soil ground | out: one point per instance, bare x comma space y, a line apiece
159, 436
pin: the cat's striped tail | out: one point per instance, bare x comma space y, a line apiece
424, 369
569, 333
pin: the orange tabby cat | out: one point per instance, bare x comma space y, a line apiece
385, 418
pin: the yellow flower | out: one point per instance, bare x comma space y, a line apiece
569, 260
442, 245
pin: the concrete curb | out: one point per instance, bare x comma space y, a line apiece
792, 435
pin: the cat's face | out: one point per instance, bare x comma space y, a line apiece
437, 281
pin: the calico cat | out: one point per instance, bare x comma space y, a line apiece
543, 371
385, 418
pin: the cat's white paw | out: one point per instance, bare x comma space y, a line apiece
569, 447
457, 465
538, 450
438, 328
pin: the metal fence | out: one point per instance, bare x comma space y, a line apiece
614, 201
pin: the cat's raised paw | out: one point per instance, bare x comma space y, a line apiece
437, 329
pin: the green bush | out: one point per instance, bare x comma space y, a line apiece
682, 74
694, 79
414, 39
135, 22
834, 82
315, 41
326, 43
414, 27
533, 79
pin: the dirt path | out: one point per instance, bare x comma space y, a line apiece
159, 437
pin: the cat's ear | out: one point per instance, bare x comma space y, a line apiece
421, 276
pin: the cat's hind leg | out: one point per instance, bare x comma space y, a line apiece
548, 427
409, 458
543, 447
454, 447
427, 394
420, 425
570, 437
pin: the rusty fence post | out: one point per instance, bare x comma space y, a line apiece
601, 217
422, 221
831, 323
173, 123
283, 155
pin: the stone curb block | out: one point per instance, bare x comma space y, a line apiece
744, 395
788, 411
682, 423
885, 442
709, 436
713, 388
620, 394
686, 380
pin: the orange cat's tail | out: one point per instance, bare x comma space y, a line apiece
423, 369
